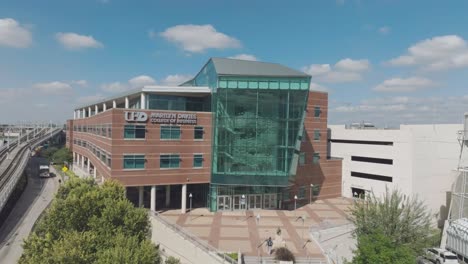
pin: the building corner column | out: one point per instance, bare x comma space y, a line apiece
153, 198
168, 195
183, 208
127, 102
142, 101
140, 196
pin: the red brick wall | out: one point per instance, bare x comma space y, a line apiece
151, 147
327, 173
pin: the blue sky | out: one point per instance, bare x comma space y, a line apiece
387, 62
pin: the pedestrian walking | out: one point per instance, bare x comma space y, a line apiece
269, 245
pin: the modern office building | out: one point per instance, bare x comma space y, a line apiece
239, 135
417, 159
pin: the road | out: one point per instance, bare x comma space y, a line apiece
35, 198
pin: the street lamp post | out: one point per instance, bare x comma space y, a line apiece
190, 196
244, 202
295, 204
310, 196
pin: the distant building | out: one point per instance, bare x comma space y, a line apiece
417, 159
239, 135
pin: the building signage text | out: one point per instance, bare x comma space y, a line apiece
173, 118
135, 116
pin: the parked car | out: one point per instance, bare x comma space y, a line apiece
441, 256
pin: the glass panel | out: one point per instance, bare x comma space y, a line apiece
274, 85
164, 161
316, 134
198, 161
255, 134
232, 84
263, 85
165, 132
316, 158
317, 111
175, 132
302, 158
284, 85
253, 85
295, 85
175, 161
198, 133
223, 84
242, 84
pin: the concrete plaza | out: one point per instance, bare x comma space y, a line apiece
231, 231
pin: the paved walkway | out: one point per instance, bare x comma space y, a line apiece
35, 198
174, 244
231, 231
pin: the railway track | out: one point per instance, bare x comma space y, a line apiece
18, 163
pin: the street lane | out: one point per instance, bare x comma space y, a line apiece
35, 198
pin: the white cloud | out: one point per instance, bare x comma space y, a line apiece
345, 70
352, 65
73, 41
12, 34
176, 79
318, 87
140, 81
115, 87
437, 53
248, 57
55, 88
82, 83
384, 30
317, 69
404, 84
89, 98
198, 38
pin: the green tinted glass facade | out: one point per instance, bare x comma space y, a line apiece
257, 128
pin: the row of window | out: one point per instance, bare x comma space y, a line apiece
303, 159
97, 152
104, 130
166, 161
317, 135
372, 160
166, 132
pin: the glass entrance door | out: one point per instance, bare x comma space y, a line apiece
269, 200
238, 203
224, 202
255, 201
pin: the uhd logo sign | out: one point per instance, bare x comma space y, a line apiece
136, 116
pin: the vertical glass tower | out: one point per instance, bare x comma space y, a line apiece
258, 114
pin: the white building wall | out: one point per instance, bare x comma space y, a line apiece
424, 157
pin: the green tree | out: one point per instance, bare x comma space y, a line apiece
172, 260
61, 156
379, 248
401, 224
87, 223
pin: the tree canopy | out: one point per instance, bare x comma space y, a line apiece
390, 229
87, 223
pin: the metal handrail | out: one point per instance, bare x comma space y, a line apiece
195, 240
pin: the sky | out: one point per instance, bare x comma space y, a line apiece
389, 62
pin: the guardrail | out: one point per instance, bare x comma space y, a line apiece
9, 178
210, 250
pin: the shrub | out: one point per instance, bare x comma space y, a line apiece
284, 254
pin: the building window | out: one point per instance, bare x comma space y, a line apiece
109, 160
198, 133
316, 158
169, 161
304, 134
302, 158
301, 193
170, 132
134, 162
315, 190
197, 160
316, 134
134, 131
317, 111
